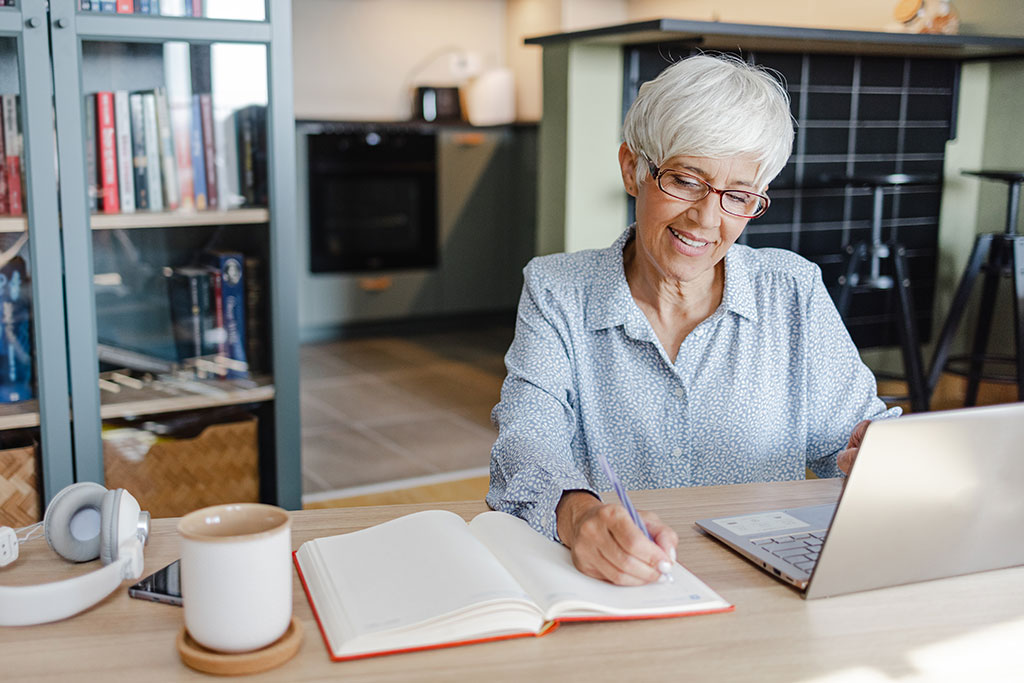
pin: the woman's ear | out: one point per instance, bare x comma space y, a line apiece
627, 162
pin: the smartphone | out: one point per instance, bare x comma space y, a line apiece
161, 586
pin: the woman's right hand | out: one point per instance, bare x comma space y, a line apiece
607, 545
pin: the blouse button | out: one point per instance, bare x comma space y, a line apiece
676, 452
679, 393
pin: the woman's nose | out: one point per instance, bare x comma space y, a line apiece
707, 212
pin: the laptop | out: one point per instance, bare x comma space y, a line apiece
931, 495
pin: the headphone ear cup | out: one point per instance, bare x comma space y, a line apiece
121, 514
110, 511
72, 539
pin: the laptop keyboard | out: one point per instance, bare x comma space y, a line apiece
801, 550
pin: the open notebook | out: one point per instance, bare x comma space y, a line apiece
431, 580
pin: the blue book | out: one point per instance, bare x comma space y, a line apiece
232, 305
198, 156
16, 346
107, 5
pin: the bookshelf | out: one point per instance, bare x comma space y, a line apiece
105, 271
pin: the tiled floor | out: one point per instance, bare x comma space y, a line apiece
384, 409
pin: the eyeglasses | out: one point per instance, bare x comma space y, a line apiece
691, 188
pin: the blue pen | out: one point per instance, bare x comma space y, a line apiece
620, 491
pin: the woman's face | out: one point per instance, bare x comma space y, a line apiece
684, 241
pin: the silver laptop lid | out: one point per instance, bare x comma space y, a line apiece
931, 495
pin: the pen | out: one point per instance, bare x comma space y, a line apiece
664, 567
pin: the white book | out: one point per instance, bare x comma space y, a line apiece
123, 143
168, 164
155, 186
431, 580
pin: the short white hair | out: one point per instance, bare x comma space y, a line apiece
716, 107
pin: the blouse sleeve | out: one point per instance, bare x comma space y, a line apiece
531, 461
841, 389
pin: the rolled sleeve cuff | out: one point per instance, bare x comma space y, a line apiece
533, 496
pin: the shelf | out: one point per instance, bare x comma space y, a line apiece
714, 35
13, 224
177, 219
139, 28
166, 397
149, 400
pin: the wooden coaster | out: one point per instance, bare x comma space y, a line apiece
234, 664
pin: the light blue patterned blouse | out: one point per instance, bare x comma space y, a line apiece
768, 385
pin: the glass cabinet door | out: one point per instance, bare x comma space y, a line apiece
167, 168
35, 441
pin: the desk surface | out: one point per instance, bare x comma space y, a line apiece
971, 625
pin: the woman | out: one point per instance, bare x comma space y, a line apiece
686, 359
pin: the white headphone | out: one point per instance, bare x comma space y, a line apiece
83, 521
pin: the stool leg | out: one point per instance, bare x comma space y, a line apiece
993, 273
982, 246
912, 364
857, 254
1018, 286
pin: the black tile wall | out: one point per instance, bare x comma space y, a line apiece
855, 115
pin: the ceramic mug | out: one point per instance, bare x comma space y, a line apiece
236, 575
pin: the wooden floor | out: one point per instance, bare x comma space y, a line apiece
949, 394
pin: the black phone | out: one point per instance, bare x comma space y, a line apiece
163, 585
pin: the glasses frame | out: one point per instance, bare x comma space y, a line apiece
658, 173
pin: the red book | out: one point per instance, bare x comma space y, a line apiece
125, 7
12, 154
107, 152
209, 149
221, 336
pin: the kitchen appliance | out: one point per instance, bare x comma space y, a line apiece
372, 197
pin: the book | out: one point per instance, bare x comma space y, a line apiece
168, 164
106, 145
209, 150
153, 173
177, 75
3, 175
15, 322
197, 156
139, 160
125, 162
189, 296
12, 153
91, 170
251, 131
229, 271
256, 352
430, 580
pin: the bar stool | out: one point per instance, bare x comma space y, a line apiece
874, 252
998, 255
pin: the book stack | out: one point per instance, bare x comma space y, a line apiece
154, 151
190, 8
208, 313
12, 178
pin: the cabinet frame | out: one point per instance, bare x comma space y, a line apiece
27, 24
280, 469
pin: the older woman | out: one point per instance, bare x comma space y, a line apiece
688, 360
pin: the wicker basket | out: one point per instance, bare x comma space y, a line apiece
178, 476
19, 487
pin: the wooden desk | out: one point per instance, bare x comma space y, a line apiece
964, 628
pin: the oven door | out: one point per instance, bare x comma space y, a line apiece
372, 201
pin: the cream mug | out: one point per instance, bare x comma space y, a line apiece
236, 575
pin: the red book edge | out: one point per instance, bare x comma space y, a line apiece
13, 166
106, 158
547, 628
125, 7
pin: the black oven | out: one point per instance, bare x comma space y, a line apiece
372, 197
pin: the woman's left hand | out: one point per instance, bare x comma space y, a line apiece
847, 456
